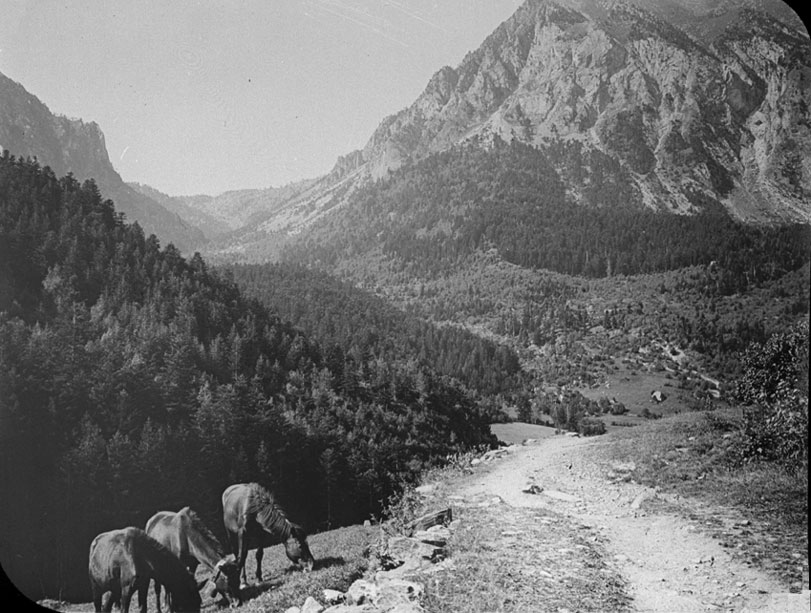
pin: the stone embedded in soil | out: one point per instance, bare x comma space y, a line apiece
401, 548
561, 496
333, 596
311, 605
437, 536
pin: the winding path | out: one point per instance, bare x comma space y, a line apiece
669, 565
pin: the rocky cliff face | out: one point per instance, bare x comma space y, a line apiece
677, 104
694, 101
29, 129
725, 118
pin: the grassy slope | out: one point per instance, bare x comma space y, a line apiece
341, 557
488, 296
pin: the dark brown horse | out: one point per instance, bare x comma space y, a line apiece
123, 561
253, 520
186, 536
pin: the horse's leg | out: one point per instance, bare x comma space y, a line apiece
109, 605
260, 553
126, 595
115, 596
97, 594
243, 555
158, 595
143, 594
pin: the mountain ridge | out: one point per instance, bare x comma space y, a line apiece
29, 129
724, 119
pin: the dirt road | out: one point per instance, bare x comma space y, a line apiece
669, 565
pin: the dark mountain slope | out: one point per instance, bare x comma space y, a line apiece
29, 129
432, 215
346, 319
132, 380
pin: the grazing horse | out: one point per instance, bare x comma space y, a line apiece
186, 536
253, 520
123, 561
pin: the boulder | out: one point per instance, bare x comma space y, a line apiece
437, 518
383, 595
311, 605
361, 592
493, 454
410, 567
394, 592
435, 535
401, 548
333, 596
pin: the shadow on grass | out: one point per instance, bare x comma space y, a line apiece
325, 562
249, 592
329, 562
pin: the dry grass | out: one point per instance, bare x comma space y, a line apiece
517, 432
512, 560
341, 557
515, 560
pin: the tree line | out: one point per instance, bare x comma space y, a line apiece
430, 215
351, 322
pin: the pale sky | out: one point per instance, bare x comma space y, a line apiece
207, 96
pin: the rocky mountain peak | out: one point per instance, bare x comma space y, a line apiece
690, 103
618, 76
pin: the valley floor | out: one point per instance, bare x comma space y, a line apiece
665, 562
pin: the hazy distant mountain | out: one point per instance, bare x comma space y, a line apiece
233, 209
694, 101
28, 128
210, 225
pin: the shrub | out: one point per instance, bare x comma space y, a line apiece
774, 385
590, 426
618, 409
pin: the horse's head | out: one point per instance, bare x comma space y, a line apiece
186, 600
297, 549
226, 580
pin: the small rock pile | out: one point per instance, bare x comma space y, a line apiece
393, 589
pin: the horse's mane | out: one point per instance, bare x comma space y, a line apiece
269, 514
199, 526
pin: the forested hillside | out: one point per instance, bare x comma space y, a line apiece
134, 380
428, 215
346, 319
